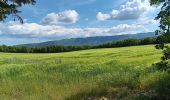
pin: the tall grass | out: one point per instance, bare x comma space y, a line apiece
119, 73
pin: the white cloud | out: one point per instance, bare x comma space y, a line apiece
65, 17
132, 9
54, 32
147, 21
102, 17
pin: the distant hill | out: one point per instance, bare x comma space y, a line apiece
92, 40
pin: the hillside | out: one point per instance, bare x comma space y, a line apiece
115, 73
92, 40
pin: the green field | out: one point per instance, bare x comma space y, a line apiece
115, 73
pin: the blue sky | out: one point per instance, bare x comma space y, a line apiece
59, 19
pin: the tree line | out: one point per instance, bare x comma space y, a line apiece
57, 49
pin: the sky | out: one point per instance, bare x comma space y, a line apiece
61, 19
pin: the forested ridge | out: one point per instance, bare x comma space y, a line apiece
57, 48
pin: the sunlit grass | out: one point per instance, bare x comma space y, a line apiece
78, 75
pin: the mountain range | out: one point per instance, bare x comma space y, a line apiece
92, 40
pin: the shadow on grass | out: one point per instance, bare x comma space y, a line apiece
97, 92
162, 88
117, 93
159, 89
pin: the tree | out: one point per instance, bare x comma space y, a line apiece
164, 31
10, 7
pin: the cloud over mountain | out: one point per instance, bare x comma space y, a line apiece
35, 30
81, 22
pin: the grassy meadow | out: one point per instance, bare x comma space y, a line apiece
114, 73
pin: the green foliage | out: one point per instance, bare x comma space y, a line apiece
156, 2
163, 65
164, 31
10, 7
129, 42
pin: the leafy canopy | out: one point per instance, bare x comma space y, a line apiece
10, 7
164, 31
